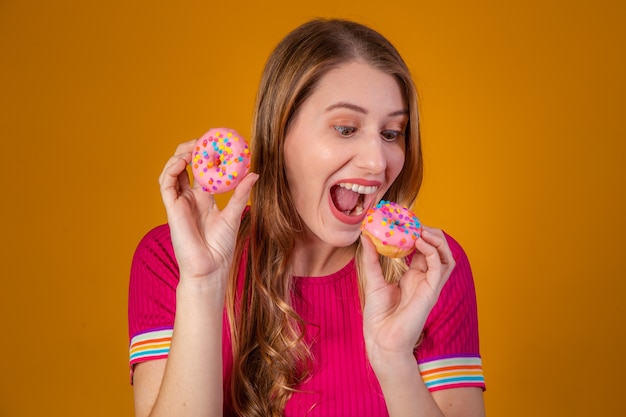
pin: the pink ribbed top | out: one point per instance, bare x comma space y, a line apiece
342, 382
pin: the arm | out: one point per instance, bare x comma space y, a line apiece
189, 382
394, 318
406, 394
154, 293
461, 402
147, 377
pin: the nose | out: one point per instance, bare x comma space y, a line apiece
370, 154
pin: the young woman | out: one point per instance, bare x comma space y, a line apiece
281, 308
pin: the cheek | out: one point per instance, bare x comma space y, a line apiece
395, 161
292, 171
311, 160
301, 165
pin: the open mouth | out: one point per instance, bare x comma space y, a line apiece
352, 199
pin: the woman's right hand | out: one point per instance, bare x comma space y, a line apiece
202, 235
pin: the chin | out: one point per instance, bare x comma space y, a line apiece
343, 240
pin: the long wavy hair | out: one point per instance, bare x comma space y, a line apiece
270, 357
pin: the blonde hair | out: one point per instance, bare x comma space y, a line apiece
270, 356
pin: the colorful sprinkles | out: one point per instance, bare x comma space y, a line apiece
392, 224
220, 160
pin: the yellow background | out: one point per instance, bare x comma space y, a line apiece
524, 138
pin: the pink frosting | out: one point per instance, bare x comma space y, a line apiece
221, 158
392, 224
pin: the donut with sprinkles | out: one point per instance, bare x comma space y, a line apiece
392, 228
220, 160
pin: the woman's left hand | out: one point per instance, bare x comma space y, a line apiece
394, 314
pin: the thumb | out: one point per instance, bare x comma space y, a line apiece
237, 203
371, 267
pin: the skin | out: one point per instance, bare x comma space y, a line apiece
343, 132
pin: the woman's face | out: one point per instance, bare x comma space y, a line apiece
344, 148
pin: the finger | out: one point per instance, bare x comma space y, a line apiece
437, 239
183, 150
430, 259
238, 201
172, 176
184, 181
174, 161
185, 147
434, 259
433, 234
371, 266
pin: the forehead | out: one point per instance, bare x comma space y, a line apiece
360, 82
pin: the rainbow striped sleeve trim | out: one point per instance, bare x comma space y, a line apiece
153, 344
453, 372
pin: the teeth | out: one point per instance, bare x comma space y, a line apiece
361, 189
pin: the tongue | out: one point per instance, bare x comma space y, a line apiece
345, 200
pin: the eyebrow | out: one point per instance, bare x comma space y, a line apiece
359, 109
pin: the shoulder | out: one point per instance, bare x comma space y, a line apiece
156, 243
462, 273
455, 247
449, 354
458, 296
152, 287
452, 326
154, 259
156, 236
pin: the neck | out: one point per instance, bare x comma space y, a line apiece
317, 259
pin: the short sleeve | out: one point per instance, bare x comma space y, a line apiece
152, 297
449, 355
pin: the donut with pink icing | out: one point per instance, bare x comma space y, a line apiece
220, 159
392, 228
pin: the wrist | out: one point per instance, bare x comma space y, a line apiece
209, 289
402, 385
393, 365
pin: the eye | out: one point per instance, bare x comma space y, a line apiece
391, 135
345, 131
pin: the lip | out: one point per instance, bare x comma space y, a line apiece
352, 220
360, 181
